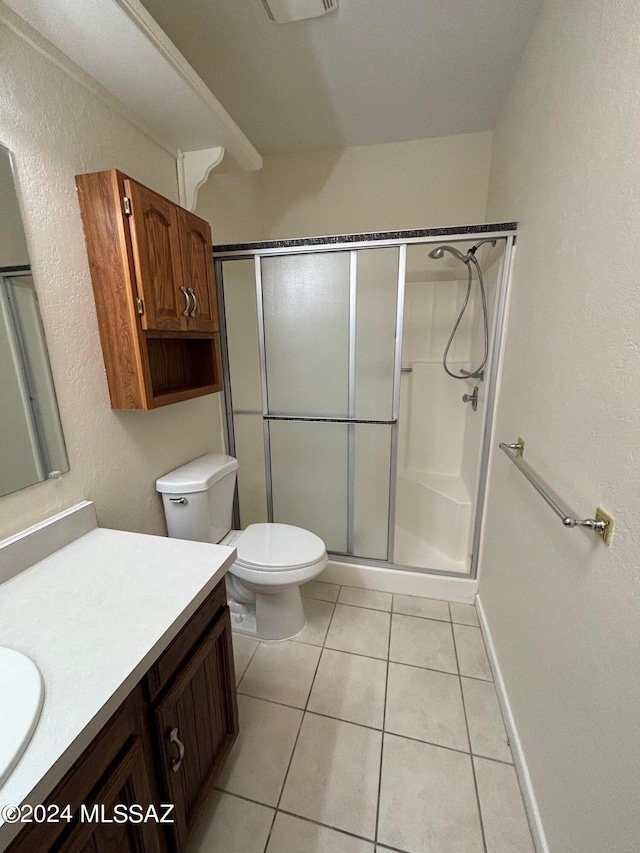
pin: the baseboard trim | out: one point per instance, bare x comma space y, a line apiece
519, 760
401, 582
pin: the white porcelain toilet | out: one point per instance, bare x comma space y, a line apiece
263, 585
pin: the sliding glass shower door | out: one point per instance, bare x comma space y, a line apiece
322, 388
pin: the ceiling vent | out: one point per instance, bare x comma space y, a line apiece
286, 11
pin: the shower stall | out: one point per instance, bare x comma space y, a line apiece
338, 405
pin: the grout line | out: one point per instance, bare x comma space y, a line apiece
383, 730
314, 598
363, 607
248, 662
404, 663
295, 744
328, 826
384, 722
242, 797
466, 722
302, 817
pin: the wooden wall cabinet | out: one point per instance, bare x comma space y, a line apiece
152, 275
167, 743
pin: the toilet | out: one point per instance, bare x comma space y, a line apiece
263, 585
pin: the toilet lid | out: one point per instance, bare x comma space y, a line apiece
278, 546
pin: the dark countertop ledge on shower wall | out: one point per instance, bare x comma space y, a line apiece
370, 237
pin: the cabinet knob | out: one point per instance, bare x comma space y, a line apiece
176, 763
195, 302
187, 311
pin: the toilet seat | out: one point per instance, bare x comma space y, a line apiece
278, 547
275, 555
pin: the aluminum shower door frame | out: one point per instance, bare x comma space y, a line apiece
352, 243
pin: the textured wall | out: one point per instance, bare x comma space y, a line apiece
418, 184
563, 609
231, 204
56, 129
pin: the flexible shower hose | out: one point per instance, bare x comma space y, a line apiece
478, 370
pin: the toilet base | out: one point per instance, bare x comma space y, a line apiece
273, 615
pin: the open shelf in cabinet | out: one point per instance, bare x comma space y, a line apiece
181, 368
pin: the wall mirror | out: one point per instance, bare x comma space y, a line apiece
31, 440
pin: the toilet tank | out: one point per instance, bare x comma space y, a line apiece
198, 498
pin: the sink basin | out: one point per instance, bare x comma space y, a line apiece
21, 698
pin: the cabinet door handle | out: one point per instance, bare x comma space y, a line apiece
195, 302
176, 763
187, 310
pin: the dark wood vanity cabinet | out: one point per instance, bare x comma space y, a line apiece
152, 274
195, 712
197, 725
167, 743
126, 784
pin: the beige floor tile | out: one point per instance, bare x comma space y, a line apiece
427, 799
428, 608
464, 614
230, 825
281, 672
426, 705
349, 687
505, 823
486, 728
293, 835
321, 591
318, 617
333, 778
472, 656
365, 598
243, 649
422, 642
363, 632
259, 759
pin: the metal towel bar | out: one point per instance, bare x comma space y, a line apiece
602, 524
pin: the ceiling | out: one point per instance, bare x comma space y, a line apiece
374, 71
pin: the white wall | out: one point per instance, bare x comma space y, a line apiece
56, 129
419, 184
231, 204
564, 610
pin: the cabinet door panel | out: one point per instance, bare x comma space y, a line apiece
156, 254
201, 706
126, 784
197, 271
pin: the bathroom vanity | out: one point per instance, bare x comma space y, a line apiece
133, 639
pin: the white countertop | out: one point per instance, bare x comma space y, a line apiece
94, 616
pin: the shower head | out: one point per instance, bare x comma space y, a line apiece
438, 253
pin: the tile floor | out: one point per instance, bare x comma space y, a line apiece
378, 728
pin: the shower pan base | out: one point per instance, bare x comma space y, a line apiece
411, 550
401, 581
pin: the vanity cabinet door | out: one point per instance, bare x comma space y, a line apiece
197, 724
197, 271
155, 238
117, 767
126, 784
